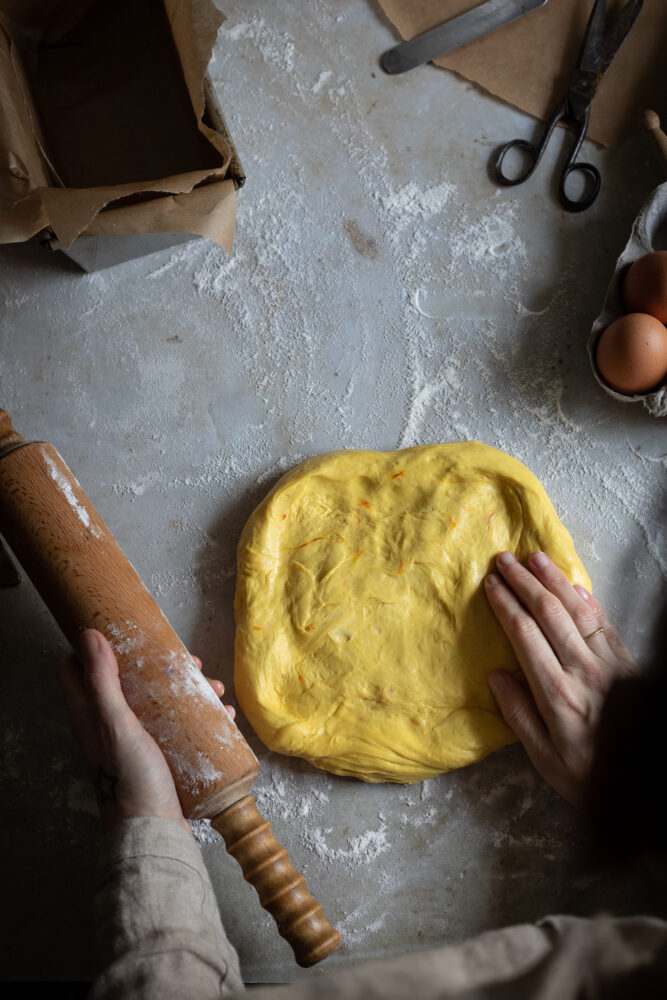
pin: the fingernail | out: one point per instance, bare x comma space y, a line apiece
505, 559
90, 643
582, 592
539, 559
492, 580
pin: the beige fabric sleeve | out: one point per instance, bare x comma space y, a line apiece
159, 935
561, 958
157, 925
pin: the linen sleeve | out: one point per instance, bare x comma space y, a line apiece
157, 927
564, 957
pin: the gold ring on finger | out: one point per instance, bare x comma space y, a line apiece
597, 632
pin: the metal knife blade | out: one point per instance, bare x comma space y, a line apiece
456, 32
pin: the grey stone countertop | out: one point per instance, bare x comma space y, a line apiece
382, 292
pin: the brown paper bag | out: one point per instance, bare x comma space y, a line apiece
102, 120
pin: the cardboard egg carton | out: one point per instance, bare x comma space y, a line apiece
649, 233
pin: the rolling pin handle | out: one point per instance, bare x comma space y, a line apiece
281, 889
651, 122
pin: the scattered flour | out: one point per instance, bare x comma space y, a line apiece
204, 833
361, 849
491, 240
411, 202
323, 78
274, 47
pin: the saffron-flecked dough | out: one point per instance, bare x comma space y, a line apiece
364, 638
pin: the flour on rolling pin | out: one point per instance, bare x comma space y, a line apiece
63, 479
186, 682
89, 583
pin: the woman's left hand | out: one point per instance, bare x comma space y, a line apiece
130, 773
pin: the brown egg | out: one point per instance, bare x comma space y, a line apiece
645, 286
631, 354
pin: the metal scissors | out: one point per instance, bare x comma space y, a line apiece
597, 53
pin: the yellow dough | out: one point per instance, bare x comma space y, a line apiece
364, 638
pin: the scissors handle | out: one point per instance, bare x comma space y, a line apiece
533, 156
534, 151
591, 174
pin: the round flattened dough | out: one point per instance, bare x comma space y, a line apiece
364, 638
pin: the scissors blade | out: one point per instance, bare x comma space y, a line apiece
598, 51
590, 58
618, 32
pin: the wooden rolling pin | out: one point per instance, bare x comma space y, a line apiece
87, 582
